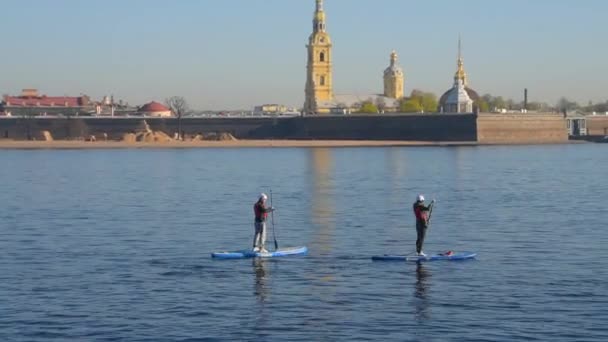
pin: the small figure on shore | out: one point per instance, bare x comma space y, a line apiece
421, 212
261, 213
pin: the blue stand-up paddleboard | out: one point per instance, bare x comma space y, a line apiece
453, 256
248, 253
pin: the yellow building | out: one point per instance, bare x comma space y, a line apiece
319, 66
319, 94
393, 79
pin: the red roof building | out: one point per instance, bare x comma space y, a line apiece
154, 109
30, 98
32, 103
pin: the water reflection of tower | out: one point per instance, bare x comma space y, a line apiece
322, 206
397, 190
421, 293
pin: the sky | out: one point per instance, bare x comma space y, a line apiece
235, 54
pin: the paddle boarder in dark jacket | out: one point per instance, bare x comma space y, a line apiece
261, 213
421, 212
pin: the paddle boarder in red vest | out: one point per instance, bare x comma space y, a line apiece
261, 213
421, 212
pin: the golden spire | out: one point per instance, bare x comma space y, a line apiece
460, 73
319, 21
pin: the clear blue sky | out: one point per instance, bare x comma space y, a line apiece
238, 53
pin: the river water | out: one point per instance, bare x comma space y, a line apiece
115, 245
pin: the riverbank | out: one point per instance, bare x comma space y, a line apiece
66, 144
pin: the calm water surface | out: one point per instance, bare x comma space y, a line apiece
114, 245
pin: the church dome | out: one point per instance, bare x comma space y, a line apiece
459, 99
393, 69
472, 95
153, 107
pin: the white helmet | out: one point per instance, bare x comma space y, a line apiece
263, 196
420, 198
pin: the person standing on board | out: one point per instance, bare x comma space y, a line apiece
421, 212
261, 213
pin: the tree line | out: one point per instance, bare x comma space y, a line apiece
426, 102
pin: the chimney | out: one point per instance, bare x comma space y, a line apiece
526, 99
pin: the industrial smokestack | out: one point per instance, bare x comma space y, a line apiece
526, 99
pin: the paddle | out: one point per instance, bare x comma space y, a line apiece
276, 245
430, 212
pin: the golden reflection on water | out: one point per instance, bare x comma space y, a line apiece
398, 193
322, 201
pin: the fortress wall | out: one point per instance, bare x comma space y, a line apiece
424, 127
597, 125
238, 127
115, 128
483, 128
521, 128
418, 127
33, 128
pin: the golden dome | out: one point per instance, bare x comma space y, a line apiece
460, 73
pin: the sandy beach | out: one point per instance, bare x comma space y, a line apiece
64, 144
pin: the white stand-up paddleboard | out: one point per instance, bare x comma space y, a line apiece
243, 254
453, 256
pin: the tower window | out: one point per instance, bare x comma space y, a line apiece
322, 80
322, 57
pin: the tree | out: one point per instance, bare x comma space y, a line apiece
564, 105
534, 106
368, 107
424, 100
487, 98
600, 107
179, 107
411, 106
482, 105
499, 103
429, 102
380, 104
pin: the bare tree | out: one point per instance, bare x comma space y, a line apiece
380, 104
179, 107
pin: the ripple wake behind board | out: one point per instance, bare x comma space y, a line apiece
432, 257
247, 253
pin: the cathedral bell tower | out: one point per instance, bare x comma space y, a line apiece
319, 67
393, 79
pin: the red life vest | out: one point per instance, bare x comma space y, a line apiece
260, 212
420, 214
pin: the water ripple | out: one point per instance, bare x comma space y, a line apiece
114, 245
